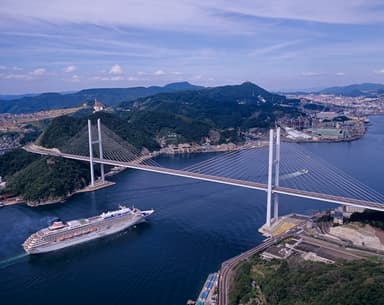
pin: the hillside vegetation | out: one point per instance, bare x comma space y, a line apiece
295, 281
12, 162
241, 106
38, 179
190, 115
62, 129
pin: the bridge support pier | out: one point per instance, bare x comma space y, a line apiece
269, 189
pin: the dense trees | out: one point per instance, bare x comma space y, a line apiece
245, 106
44, 178
12, 162
374, 218
295, 281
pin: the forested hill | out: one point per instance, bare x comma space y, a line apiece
108, 96
190, 115
238, 106
62, 129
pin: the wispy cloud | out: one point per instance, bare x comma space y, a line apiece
340, 12
22, 76
75, 78
197, 14
70, 69
273, 48
380, 71
116, 78
39, 72
311, 74
18, 76
116, 70
159, 72
14, 68
314, 74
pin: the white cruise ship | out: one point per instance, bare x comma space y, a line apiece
60, 234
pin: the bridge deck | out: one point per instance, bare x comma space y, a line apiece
235, 182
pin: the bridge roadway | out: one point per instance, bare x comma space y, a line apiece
229, 181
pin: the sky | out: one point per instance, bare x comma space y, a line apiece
55, 45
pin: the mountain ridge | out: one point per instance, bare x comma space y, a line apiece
108, 96
232, 106
354, 90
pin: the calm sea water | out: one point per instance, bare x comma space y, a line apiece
196, 226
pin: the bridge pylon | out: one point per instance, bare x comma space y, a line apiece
100, 143
273, 161
277, 175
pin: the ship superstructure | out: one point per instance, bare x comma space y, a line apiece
64, 234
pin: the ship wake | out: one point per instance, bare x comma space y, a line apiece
12, 260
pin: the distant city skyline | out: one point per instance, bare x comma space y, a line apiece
279, 45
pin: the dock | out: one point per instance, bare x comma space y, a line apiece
208, 294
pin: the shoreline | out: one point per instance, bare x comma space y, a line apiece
352, 139
264, 143
34, 204
98, 185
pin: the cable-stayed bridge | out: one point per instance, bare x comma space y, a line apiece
285, 168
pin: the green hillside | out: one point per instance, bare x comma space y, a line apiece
12, 162
62, 129
39, 178
48, 178
241, 106
190, 115
302, 282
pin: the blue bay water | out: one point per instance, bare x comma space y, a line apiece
196, 226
